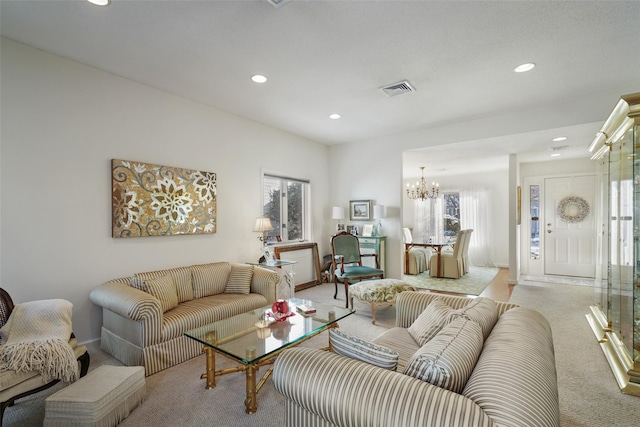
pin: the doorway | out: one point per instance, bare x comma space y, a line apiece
563, 222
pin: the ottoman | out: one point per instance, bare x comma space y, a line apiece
377, 292
103, 397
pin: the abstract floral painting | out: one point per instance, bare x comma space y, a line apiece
154, 200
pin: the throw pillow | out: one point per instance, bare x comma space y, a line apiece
430, 321
209, 279
481, 310
239, 281
449, 358
137, 283
362, 350
163, 289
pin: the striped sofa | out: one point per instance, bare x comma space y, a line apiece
513, 382
145, 316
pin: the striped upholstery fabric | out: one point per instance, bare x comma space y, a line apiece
448, 359
515, 380
401, 341
430, 322
409, 305
365, 351
163, 289
209, 279
347, 392
265, 282
481, 310
181, 279
239, 281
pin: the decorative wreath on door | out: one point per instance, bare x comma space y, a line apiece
573, 209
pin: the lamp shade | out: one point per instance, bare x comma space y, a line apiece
263, 224
337, 212
378, 211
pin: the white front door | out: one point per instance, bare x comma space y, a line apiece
569, 243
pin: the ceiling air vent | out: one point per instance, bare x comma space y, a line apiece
277, 3
398, 88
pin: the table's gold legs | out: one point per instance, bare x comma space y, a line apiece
210, 374
250, 402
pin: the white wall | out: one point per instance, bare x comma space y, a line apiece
62, 122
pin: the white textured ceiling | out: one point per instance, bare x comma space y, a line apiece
323, 57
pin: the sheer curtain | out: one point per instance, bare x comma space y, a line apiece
428, 219
475, 212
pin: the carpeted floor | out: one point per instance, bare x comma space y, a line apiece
472, 283
588, 392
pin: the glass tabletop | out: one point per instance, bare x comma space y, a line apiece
246, 338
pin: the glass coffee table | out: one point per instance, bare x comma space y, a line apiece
250, 341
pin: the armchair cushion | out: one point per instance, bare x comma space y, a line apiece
365, 351
239, 281
163, 289
430, 321
357, 271
449, 358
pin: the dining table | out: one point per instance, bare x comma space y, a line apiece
436, 246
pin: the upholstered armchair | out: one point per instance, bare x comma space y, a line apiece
451, 263
417, 258
15, 385
347, 263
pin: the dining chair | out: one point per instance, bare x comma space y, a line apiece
418, 256
347, 263
451, 263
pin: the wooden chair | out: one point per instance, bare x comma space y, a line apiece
15, 385
347, 263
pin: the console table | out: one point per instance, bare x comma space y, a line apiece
373, 245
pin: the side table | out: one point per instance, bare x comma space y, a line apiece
286, 288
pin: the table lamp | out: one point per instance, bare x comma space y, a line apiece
263, 224
378, 213
338, 213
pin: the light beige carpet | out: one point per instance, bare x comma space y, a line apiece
472, 283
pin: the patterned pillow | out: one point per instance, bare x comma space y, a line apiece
449, 358
430, 321
365, 351
163, 289
481, 310
4, 313
239, 281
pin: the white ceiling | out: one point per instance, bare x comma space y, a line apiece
324, 57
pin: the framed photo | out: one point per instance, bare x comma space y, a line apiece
269, 256
367, 230
360, 210
353, 229
341, 228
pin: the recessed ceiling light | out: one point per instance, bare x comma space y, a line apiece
524, 67
555, 155
334, 116
259, 78
100, 2
559, 138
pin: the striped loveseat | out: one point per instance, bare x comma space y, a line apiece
512, 383
145, 316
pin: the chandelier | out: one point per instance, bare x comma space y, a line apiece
420, 190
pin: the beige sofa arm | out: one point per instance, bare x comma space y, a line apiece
347, 392
264, 282
126, 301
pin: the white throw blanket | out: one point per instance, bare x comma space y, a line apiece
36, 338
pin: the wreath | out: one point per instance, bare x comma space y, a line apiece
573, 209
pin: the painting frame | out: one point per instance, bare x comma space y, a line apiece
360, 210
